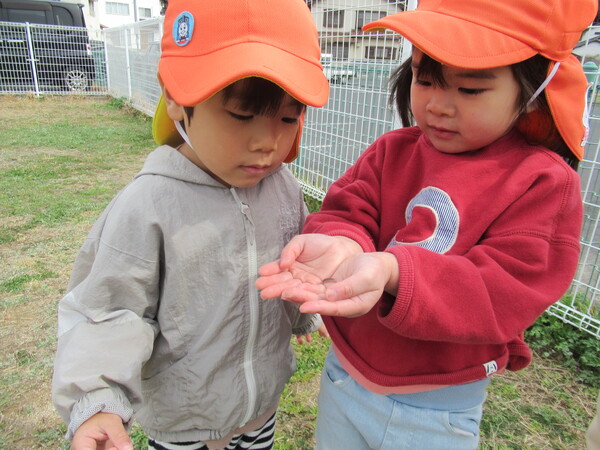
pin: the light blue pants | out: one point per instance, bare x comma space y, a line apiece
353, 418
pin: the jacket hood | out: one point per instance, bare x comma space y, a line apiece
168, 162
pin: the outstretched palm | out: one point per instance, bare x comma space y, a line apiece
305, 262
356, 286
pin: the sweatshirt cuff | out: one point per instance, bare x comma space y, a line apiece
392, 311
101, 400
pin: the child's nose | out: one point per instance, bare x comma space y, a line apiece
440, 103
265, 136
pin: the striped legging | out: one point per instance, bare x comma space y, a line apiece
261, 439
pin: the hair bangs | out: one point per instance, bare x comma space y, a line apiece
258, 96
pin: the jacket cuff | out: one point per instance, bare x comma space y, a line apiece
101, 400
307, 327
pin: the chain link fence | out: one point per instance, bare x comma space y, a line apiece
50, 59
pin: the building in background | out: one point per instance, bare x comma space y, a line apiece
340, 23
100, 14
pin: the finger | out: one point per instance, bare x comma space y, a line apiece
303, 274
271, 268
271, 292
303, 293
348, 289
120, 439
291, 251
84, 443
270, 280
324, 333
276, 291
343, 308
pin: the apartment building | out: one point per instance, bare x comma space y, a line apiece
340, 22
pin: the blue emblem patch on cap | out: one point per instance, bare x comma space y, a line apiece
183, 28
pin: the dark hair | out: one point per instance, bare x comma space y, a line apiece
256, 95
529, 74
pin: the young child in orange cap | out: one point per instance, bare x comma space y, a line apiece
162, 319
446, 240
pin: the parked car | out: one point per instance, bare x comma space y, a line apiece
55, 48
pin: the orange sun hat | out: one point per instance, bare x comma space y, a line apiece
208, 45
482, 34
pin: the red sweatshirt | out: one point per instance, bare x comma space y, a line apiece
485, 242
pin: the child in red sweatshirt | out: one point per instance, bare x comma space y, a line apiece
446, 240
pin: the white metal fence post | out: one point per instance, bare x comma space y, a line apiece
106, 64
127, 64
32, 60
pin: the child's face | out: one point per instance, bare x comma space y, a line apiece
237, 147
474, 109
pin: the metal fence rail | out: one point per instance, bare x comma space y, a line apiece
49, 59
359, 66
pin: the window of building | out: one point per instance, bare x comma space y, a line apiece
117, 9
144, 13
364, 17
333, 18
375, 52
339, 50
92, 7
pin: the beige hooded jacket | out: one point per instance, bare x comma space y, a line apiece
162, 318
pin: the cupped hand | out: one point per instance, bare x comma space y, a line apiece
355, 287
305, 262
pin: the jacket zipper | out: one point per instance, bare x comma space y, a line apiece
253, 304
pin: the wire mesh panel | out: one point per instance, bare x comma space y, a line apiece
47, 59
132, 55
582, 306
358, 66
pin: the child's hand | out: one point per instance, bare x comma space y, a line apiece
322, 332
352, 291
306, 260
102, 431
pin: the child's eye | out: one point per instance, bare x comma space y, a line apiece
290, 120
241, 117
471, 91
422, 82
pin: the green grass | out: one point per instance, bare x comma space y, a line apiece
577, 351
49, 170
63, 159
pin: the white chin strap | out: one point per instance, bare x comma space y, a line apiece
183, 133
544, 84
